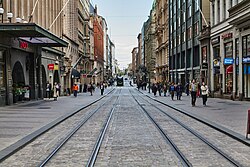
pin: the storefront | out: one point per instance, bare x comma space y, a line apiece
246, 64
217, 77
21, 61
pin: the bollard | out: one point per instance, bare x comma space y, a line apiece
248, 124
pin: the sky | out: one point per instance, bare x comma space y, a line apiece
125, 19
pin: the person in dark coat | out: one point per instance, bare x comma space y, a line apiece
154, 89
102, 88
48, 90
179, 91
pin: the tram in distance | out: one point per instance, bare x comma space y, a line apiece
119, 81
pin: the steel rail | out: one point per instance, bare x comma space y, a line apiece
213, 125
100, 138
4, 154
176, 150
199, 136
71, 133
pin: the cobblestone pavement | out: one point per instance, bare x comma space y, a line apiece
227, 113
21, 120
195, 150
131, 140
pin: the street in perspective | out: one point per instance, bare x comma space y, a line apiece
162, 83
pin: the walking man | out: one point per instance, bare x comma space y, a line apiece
193, 89
48, 90
75, 89
102, 88
204, 93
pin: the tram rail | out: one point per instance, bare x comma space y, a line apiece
180, 155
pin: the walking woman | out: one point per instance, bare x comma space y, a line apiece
172, 90
204, 93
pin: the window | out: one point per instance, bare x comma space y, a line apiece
229, 49
189, 11
244, 46
196, 5
196, 29
248, 45
183, 36
189, 33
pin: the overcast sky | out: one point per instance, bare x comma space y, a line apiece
125, 19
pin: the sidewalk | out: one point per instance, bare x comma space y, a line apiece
227, 113
20, 120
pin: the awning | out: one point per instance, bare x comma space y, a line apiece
75, 74
229, 69
32, 33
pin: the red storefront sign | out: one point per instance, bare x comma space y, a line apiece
23, 44
50, 66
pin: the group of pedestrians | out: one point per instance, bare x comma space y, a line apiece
172, 90
54, 91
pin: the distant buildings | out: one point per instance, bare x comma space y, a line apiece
50, 41
206, 40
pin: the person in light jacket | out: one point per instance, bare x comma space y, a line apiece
204, 93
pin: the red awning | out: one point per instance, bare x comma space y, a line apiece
229, 69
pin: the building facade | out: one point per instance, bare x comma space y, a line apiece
31, 48
185, 23
161, 33
230, 43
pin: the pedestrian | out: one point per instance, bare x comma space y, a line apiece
154, 89
159, 86
187, 88
204, 93
179, 91
48, 90
90, 88
102, 88
172, 90
75, 90
56, 91
165, 89
193, 88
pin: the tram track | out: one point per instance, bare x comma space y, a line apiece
177, 151
51, 137
75, 129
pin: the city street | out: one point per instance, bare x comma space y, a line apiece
131, 138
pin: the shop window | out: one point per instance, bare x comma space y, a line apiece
229, 49
248, 45
244, 46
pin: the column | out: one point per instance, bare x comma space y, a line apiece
240, 68
234, 65
227, 8
211, 61
222, 17
216, 21
211, 13
234, 3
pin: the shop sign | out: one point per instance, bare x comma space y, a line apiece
228, 61
215, 40
23, 44
50, 66
246, 59
227, 36
56, 67
204, 65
